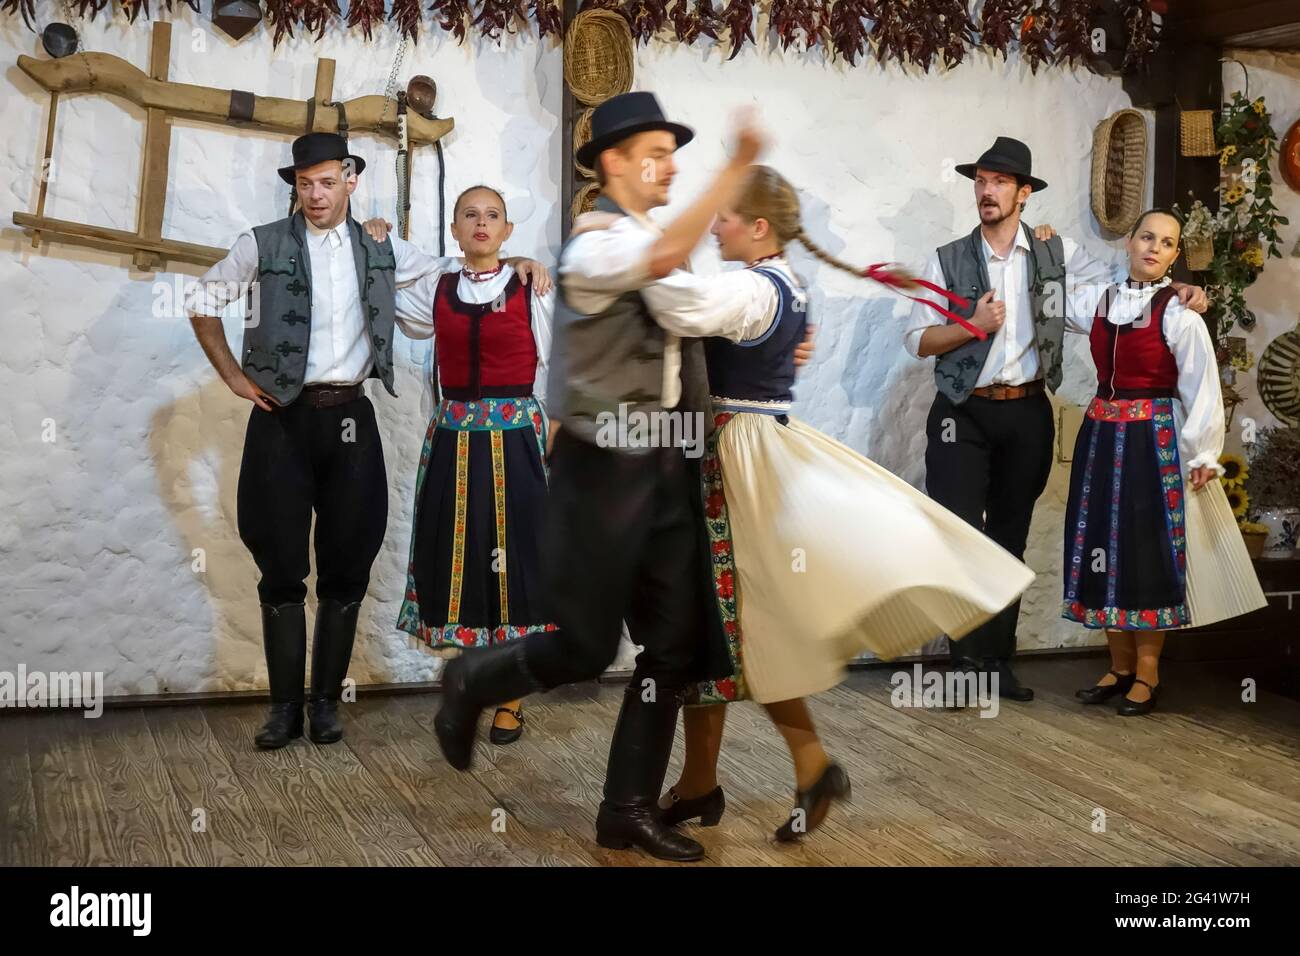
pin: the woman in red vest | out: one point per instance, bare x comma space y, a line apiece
1150, 541
472, 578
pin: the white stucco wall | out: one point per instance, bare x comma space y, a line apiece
98, 527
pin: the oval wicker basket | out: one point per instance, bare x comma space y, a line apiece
581, 136
1119, 170
598, 56
584, 200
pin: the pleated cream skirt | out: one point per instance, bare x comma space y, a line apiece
835, 556
1221, 582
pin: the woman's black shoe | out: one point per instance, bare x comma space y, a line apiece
1102, 693
1136, 708
811, 805
708, 808
502, 735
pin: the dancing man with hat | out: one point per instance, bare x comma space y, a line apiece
624, 537
990, 431
323, 297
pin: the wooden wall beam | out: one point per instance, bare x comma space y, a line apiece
157, 147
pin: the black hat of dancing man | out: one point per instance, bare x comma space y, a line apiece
1006, 155
623, 116
313, 148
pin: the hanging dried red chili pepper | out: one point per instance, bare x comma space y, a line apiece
1000, 23
407, 14
366, 14
949, 30
1036, 35
453, 17
26, 7
738, 17
497, 17
646, 18
1142, 34
549, 17
846, 29
789, 18
891, 31
88, 9
1073, 38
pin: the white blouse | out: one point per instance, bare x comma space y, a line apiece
1200, 440
739, 304
415, 303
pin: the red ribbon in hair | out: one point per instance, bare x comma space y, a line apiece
879, 273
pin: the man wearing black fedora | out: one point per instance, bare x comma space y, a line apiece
322, 301
990, 432
624, 536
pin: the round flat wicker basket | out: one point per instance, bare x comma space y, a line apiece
581, 136
598, 56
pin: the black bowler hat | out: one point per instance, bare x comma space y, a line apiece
1006, 155
313, 148
626, 115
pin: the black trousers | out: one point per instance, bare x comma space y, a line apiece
299, 459
620, 541
988, 461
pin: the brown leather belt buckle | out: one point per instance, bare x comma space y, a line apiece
325, 396
1003, 393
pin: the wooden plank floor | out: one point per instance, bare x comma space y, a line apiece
1209, 779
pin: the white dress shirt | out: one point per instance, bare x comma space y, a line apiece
1200, 436
739, 304
600, 265
415, 303
339, 350
1013, 356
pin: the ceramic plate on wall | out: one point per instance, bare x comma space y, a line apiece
1279, 377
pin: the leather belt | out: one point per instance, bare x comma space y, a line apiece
325, 395
1002, 393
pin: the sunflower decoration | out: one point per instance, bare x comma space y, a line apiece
1239, 500
1226, 154
1254, 256
1235, 194
1235, 470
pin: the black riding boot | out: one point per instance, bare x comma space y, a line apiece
331, 652
475, 680
284, 637
638, 759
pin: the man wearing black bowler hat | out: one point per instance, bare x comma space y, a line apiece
624, 536
323, 297
990, 431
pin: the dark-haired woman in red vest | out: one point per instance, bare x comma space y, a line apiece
472, 578
1150, 541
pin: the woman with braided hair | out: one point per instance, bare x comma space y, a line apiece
793, 516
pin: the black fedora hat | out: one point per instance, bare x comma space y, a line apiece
626, 115
313, 148
1006, 155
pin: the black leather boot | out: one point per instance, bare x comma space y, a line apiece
1008, 685
284, 638
477, 679
331, 652
638, 759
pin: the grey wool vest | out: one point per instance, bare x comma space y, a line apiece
275, 345
966, 274
614, 358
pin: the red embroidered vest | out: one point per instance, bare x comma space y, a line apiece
484, 350
1133, 361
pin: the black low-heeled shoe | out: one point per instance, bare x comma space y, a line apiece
832, 785
1101, 693
1136, 708
502, 735
708, 808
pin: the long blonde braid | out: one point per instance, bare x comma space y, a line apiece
768, 195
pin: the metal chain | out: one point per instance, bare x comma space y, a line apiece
390, 91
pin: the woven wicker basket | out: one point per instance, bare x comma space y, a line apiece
598, 56
1197, 133
585, 199
1119, 170
1200, 253
581, 136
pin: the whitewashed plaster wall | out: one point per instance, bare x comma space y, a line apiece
98, 527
